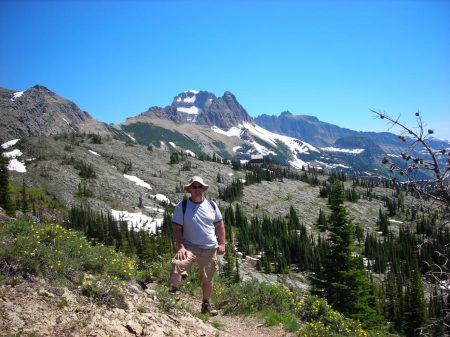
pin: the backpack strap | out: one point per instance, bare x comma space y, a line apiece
184, 206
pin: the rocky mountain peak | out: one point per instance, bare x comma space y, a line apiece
39, 87
38, 110
202, 107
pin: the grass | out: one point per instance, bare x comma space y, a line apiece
98, 272
64, 256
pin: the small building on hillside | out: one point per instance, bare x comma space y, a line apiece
256, 159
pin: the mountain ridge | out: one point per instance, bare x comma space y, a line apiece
213, 125
39, 111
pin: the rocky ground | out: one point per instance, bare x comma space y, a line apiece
34, 308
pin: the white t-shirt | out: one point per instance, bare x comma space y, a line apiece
199, 225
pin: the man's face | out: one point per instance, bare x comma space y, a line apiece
196, 189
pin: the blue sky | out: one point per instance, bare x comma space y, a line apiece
330, 59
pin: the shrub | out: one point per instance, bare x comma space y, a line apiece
57, 253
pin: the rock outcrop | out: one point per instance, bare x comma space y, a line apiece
35, 307
39, 111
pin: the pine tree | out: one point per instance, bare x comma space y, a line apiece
322, 222
24, 198
415, 314
347, 287
5, 196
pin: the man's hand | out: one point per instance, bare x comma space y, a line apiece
221, 249
181, 254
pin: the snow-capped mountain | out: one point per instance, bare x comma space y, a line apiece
192, 103
264, 142
200, 107
202, 123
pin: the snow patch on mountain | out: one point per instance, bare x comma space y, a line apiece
17, 95
133, 139
137, 181
296, 146
236, 148
9, 143
14, 164
232, 132
328, 165
94, 153
335, 149
193, 110
189, 152
138, 220
162, 198
12, 154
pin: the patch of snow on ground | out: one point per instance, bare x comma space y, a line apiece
15, 165
189, 152
9, 143
332, 165
335, 149
13, 154
232, 132
295, 145
236, 148
162, 198
134, 140
138, 220
298, 164
262, 149
154, 209
173, 145
193, 110
395, 221
138, 181
17, 95
65, 120
393, 155
94, 153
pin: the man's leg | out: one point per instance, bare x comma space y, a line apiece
178, 267
174, 281
207, 267
207, 290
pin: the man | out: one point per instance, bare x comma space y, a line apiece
195, 223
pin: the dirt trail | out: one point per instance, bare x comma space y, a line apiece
233, 325
36, 308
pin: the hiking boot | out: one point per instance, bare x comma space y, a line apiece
207, 309
173, 290
175, 293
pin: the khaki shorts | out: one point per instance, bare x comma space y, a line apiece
206, 260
